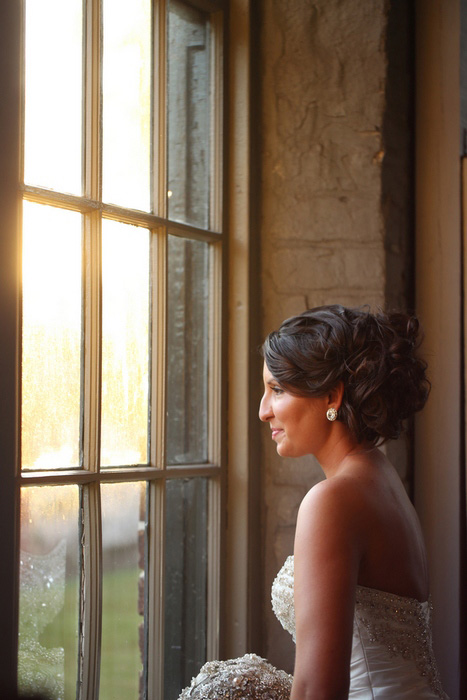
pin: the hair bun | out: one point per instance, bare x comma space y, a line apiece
386, 381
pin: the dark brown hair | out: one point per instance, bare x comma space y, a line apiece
373, 355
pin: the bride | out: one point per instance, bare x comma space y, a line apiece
339, 382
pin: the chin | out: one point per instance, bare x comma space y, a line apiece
282, 451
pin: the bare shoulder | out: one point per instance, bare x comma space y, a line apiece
337, 495
335, 509
329, 541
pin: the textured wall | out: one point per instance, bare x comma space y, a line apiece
322, 228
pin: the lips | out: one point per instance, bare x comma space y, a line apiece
276, 432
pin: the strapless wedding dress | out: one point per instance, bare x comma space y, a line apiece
392, 653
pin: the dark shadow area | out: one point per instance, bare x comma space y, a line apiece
255, 361
398, 168
398, 173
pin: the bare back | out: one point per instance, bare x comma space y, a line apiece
394, 557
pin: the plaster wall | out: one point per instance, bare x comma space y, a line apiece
439, 429
322, 226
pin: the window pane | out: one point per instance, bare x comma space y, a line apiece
126, 103
123, 519
51, 337
187, 405
189, 118
185, 582
49, 591
53, 94
125, 344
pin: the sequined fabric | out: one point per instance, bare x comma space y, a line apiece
245, 678
403, 626
282, 597
392, 655
392, 645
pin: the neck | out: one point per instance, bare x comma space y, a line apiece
338, 452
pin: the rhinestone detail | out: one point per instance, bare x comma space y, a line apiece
402, 624
249, 678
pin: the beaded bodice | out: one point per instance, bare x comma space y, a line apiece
385, 625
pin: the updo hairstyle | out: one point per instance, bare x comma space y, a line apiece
373, 355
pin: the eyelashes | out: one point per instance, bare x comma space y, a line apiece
277, 390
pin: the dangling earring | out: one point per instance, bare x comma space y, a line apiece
331, 414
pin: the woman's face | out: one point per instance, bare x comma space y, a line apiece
298, 423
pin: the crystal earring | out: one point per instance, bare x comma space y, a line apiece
331, 414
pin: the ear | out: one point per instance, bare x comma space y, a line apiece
335, 396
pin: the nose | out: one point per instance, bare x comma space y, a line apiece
265, 411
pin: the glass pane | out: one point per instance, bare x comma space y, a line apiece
49, 591
185, 582
51, 337
188, 306
123, 523
125, 344
53, 94
126, 103
189, 117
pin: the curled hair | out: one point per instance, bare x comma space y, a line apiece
373, 355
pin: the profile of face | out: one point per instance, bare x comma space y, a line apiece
298, 423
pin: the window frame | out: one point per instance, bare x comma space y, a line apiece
10, 110
156, 473
236, 580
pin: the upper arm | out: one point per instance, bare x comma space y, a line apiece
327, 557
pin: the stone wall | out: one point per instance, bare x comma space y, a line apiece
322, 225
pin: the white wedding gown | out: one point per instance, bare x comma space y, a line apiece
392, 653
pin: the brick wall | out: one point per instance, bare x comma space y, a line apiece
324, 68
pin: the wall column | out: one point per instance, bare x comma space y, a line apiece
438, 303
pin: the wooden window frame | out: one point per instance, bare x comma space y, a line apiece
235, 582
156, 473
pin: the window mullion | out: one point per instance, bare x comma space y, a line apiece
92, 341
155, 590
213, 573
90, 594
214, 451
92, 238
215, 347
216, 165
155, 564
93, 101
215, 353
91, 560
159, 109
158, 347
156, 511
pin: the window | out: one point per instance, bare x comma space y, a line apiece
123, 242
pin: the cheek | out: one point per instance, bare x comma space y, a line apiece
310, 427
